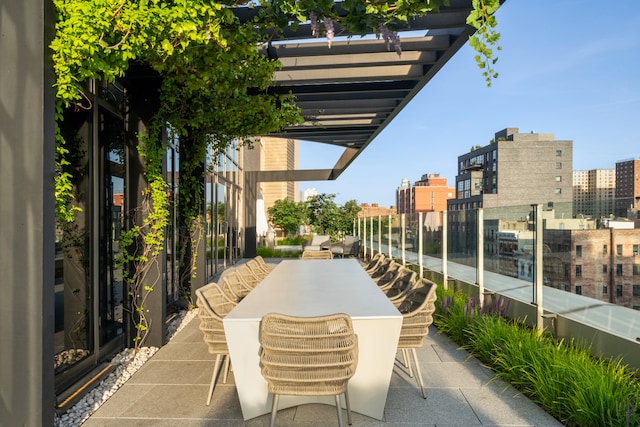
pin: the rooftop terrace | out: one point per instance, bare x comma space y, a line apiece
171, 389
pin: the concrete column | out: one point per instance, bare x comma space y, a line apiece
27, 245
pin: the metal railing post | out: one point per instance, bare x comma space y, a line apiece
539, 271
371, 234
379, 233
480, 257
403, 232
389, 240
420, 227
364, 237
445, 236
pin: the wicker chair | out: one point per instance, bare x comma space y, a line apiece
256, 269
265, 267
249, 278
404, 282
390, 275
417, 315
213, 305
234, 286
323, 254
308, 356
381, 268
374, 262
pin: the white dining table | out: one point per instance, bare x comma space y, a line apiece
313, 288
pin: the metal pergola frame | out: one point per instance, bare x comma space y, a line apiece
350, 91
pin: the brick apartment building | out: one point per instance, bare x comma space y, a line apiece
429, 194
603, 264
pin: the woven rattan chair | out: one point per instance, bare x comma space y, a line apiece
404, 282
308, 356
213, 305
234, 286
374, 262
256, 269
381, 268
249, 278
390, 275
263, 265
417, 315
323, 254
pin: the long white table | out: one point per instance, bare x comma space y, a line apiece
315, 288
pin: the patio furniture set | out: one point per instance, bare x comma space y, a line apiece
310, 330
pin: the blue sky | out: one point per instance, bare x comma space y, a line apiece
567, 67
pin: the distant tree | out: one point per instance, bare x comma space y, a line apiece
326, 217
288, 215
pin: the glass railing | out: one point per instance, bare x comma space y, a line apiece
574, 276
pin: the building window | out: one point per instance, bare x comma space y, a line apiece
619, 290
636, 290
605, 289
578, 270
558, 191
578, 289
605, 268
619, 250
558, 165
605, 249
618, 269
636, 269
578, 251
558, 153
558, 178
636, 248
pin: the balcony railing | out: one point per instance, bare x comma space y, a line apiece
575, 277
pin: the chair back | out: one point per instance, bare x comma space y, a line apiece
401, 286
323, 254
417, 314
266, 267
256, 269
308, 355
374, 262
250, 279
381, 268
390, 275
213, 305
234, 287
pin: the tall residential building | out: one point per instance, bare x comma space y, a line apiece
274, 154
594, 192
627, 187
514, 171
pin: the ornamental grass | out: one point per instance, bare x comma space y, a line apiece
560, 376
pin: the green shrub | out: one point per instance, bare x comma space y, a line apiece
562, 377
265, 252
292, 242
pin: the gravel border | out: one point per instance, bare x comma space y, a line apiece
127, 362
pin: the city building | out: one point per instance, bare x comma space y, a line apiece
429, 194
601, 263
273, 154
627, 188
516, 169
594, 193
369, 210
505, 178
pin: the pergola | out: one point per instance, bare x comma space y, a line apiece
350, 91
